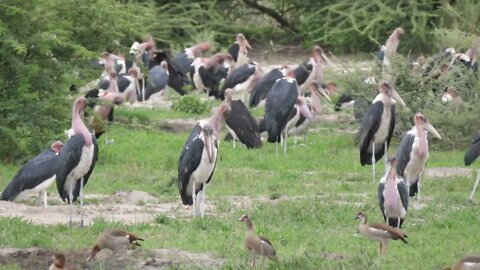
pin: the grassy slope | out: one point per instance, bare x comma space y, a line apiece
326, 177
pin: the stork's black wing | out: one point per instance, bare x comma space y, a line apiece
37, 170
381, 199
263, 86
189, 160
280, 102
234, 50
241, 121
76, 191
403, 191
473, 151
368, 128
238, 76
403, 153
122, 82
211, 80
68, 159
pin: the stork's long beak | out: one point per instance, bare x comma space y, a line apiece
325, 59
319, 91
209, 146
397, 97
432, 130
247, 44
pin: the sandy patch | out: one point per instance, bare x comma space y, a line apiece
36, 258
126, 207
447, 172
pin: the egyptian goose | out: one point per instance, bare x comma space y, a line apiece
58, 262
379, 232
471, 262
257, 245
115, 240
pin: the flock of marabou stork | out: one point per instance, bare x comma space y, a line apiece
291, 96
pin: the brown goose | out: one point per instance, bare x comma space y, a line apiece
115, 240
257, 245
471, 262
379, 232
58, 262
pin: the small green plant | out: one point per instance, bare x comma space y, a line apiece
190, 104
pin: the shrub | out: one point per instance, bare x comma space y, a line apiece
190, 104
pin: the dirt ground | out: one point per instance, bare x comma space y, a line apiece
37, 258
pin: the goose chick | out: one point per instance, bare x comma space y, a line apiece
59, 261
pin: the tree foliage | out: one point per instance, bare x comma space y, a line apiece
43, 47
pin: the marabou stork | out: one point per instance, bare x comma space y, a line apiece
157, 82
242, 79
129, 85
180, 66
208, 73
76, 160
311, 70
377, 126
470, 156
470, 57
303, 124
239, 51
102, 103
112, 62
412, 153
390, 49
184, 59
393, 196
278, 107
264, 85
35, 177
241, 123
198, 160
300, 109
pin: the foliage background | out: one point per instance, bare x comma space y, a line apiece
46, 46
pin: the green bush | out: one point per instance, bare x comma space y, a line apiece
190, 104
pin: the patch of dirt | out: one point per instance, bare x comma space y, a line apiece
334, 256
177, 125
447, 172
36, 258
126, 207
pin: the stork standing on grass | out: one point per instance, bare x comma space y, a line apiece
412, 153
278, 107
76, 160
35, 177
393, 196
241, 123
377, 126
198, 160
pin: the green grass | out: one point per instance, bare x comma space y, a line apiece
319, 188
